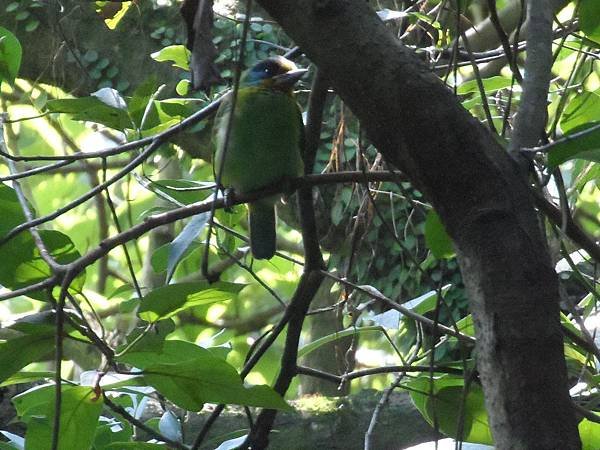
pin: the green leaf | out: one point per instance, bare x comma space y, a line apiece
20, 351
309, 348
178, 192
32, 25
134, 446
444, 401
583, 110
11, 213
589, 18
160, 257
33, 401
436, 237
90, 56
183, 87
25, 377
22, 15
12, 7
190, 376
91, 109
138, 103
589, 432
490, 85
167, 301
21, 264
466, 326
426, 302
80, 410
178, 54
586, 146
151, 341
10, 56
189, 384
113, 21
184, 240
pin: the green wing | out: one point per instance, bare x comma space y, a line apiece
218, 131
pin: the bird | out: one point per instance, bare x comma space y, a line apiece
265, 142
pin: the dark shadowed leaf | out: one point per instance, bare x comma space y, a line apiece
11, 213
20, 351
198, 17
589, 18
21, 264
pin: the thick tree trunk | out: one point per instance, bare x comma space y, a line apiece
485, 204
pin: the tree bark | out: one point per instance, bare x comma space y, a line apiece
485, 204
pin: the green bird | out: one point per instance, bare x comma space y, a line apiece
265, 142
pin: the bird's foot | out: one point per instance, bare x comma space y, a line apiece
228, 199
288, 187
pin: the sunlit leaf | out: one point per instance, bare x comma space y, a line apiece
582, 110
91, 109
25, 377
178, 192
167, 301
309, 348
190, 376
79, 413
589, 432
10, 56
183, 87
490, 85
138, 104
441, 402
585, 146
110, 97
436, 237
160, 256
141, 340
179, 55
115, 16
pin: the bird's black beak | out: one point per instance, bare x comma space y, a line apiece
287, 80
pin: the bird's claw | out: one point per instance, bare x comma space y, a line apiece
288, 187
228, 199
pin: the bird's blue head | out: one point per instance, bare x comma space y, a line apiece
275, 72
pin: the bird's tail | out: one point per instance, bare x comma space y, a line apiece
262, 229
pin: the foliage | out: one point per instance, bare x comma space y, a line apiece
138, 321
